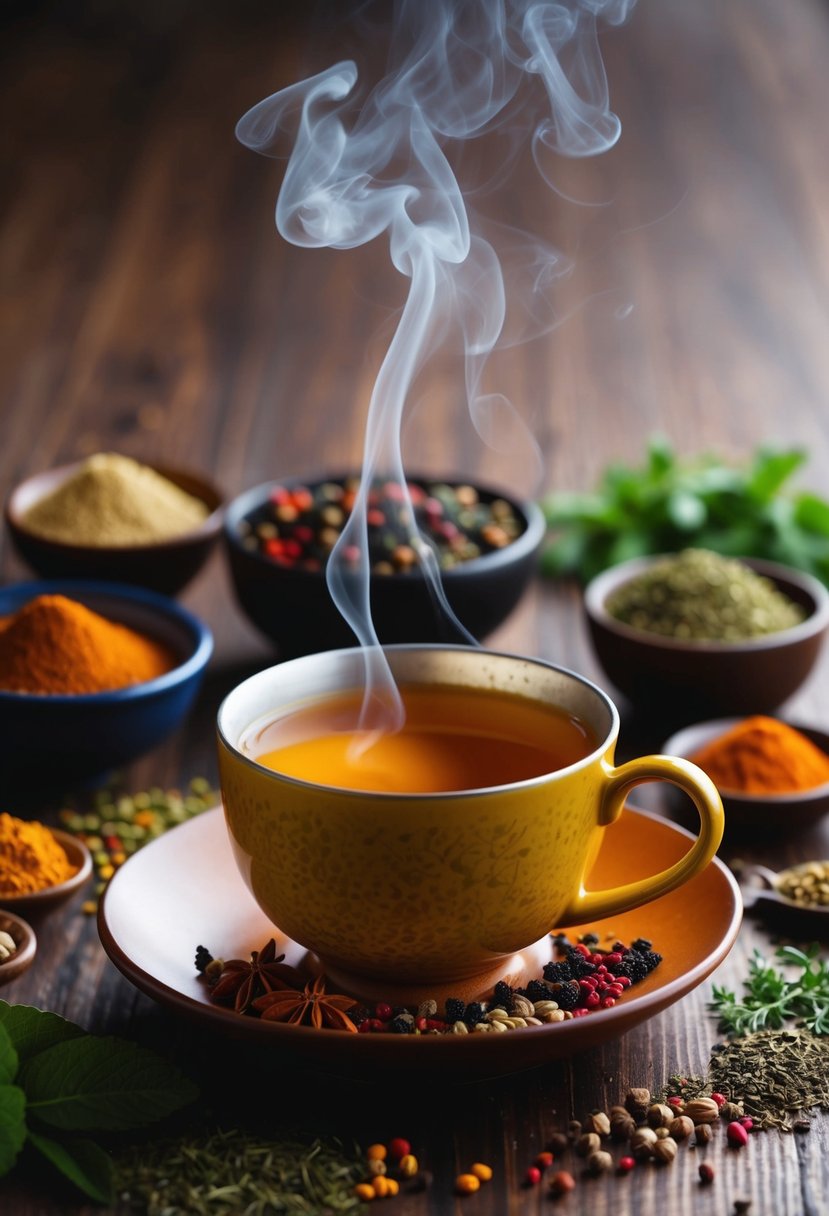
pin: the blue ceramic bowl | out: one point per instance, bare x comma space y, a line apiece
59, 741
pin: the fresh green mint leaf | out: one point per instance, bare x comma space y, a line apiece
12, 1125
83, 1162
770, 470
94, 1083
8, 1057
32, 1030
812, 513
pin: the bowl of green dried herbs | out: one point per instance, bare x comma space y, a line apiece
694, 634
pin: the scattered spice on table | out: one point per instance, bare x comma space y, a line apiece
579, 980
121, 823
698, 595
112, 500
55, 645
761, 755
228, 1172
778, 1075
806, 884
8, 946
31, 859
299, 525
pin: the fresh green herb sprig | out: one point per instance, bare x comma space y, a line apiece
58, 1083
670, 504
773, 998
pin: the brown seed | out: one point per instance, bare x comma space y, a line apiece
574, 1127
665, 1150
702, 1110
637, 1102
730, 1111
703, 1133
662, 1133
642, 1142
597, 1122
558, 1142
589, 1143
622, 1126
660, 1115
706, 1173
599, 1163
681, 1128
376, 1166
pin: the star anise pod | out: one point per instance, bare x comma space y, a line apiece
240, 983
310, 1006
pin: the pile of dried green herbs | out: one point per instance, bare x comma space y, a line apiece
227, 1173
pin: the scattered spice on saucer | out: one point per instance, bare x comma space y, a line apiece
579, 980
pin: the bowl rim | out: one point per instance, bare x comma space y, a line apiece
47, 895
712, 728
523, 545
200, 636
209, 527
600, 586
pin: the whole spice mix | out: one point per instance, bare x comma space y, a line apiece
299, 525
113, 500
762, 755
55, 645
699, 595
806, 884
31, 859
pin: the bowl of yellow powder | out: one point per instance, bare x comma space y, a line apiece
92, 675
113, 518
40, 866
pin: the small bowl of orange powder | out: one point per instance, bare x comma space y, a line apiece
773, 776
40, 867
92, 675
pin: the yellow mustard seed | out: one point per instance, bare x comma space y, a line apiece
408, 1166
364, 1191
482, 1172
380, 1184
467, 1184
376, 1152
393, 1186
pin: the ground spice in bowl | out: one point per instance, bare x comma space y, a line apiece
55, 645
698, 595
762, 755
31, 859
112, 500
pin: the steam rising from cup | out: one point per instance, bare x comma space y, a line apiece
364, 164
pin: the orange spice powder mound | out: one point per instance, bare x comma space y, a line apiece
30, 857
55, 645
762, 755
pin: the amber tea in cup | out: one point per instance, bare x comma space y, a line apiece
440, 851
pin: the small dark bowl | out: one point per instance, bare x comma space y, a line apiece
165, 566
682, 681
763, 814
56, 741
25, 939
36, 903
294, 609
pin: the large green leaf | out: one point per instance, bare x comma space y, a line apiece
8, 1057
32, 1030
96, 1083
82, 1162
12, 1125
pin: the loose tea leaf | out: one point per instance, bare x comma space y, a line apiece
774, 1074
772, 997
669, 504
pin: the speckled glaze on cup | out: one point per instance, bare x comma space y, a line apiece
422, 887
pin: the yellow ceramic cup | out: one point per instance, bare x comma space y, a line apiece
415, 888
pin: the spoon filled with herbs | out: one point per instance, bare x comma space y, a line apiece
802, 888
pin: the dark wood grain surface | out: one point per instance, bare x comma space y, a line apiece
149, 306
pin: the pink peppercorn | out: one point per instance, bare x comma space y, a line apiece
532, 1176
624, 980
626, 1164
720, 1100
612, 959
583, 951
384, 1012
737, 1135
592, 1001
746, 1122
608, 1002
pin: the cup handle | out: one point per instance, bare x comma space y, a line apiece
701, 790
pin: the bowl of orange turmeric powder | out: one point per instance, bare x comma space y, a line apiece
92, 675
772, 775
40, 866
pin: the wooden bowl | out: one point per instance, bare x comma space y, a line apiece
680, 682
755, 814
166, 565
26, 942
38, 902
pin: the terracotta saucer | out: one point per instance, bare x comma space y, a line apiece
190, 893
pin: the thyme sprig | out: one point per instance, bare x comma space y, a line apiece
773, 998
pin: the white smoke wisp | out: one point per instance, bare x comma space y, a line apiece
361, 166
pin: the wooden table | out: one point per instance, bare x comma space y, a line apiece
148, 306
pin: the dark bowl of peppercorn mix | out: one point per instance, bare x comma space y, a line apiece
112, 518
278, 538
648, 619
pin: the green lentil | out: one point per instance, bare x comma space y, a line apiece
700, 595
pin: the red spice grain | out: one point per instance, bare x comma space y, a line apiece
737, 1135
533, 1176
562, 1182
